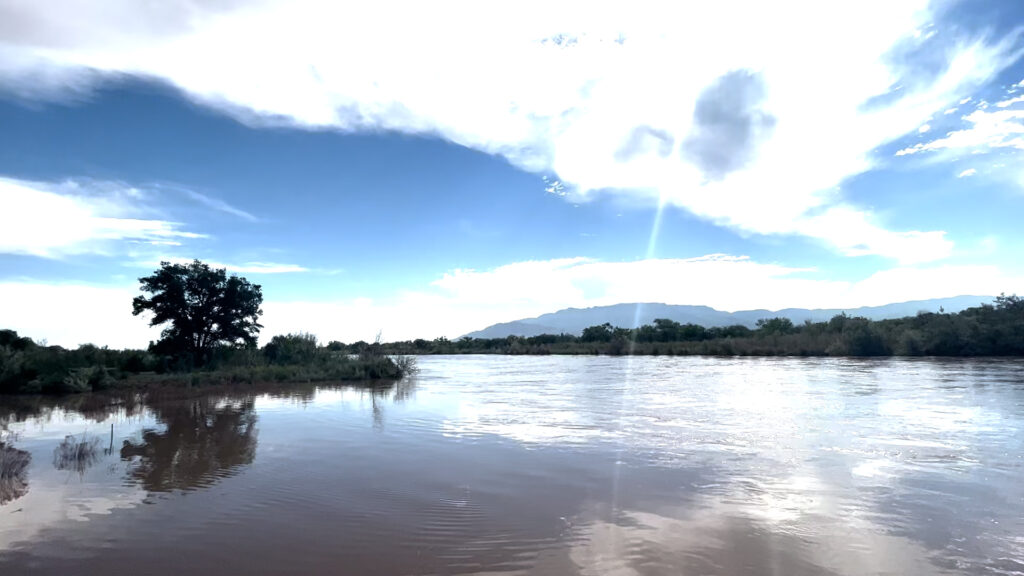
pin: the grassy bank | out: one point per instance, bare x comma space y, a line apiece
27, 367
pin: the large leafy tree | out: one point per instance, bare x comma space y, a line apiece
200, 308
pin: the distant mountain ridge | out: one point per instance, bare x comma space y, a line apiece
574, 320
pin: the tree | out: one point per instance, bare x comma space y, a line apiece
777, 325
201, 307
599, 333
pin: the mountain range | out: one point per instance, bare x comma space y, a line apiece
574, 320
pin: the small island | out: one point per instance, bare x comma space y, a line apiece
210, 329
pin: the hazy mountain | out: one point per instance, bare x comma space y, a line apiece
574, 320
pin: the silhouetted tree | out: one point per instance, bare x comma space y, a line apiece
201, 307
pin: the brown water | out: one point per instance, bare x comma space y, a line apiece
536, 465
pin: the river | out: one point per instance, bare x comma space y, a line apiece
534, 465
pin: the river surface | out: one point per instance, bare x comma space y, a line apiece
534, 465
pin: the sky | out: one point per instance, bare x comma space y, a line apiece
426, 169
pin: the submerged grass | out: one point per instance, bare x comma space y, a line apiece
13, 464
75, 454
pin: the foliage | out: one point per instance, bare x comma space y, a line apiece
26, 367
775, 326
291, 349
201, 307
989, 330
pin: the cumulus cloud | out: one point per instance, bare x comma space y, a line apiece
57, 219
460, 301
611, 101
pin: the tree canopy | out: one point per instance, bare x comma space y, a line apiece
201, 308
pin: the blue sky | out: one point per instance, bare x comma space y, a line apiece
389, 168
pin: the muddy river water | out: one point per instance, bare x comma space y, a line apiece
533, 465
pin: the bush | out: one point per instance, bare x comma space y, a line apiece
298, 348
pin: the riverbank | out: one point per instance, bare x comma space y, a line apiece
30, 368
990, 330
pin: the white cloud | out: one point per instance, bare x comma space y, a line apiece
602, 97
966, 173
243, 268
73, 314
964, 101
851, 232
988, 130
1010, 102
57, 219
461, 301
84, 216
924, 128
950, 111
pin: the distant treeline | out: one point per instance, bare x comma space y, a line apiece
28, 367
989, 330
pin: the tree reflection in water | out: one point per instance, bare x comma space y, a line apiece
204, 440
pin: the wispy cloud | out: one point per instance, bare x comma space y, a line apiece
218, 204
609, 101
55, 219
987, 131
86, 216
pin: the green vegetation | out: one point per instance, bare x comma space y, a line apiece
211, 325
988, 330
30, 368
201, 308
